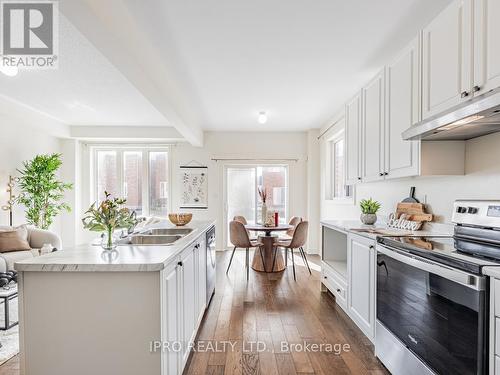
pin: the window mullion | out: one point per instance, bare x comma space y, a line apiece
120, 174
145, 183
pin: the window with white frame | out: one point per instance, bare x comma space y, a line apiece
139, 174
336, 187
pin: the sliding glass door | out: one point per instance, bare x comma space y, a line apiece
242, 197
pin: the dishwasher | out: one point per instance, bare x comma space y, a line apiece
211, 264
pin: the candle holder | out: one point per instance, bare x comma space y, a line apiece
12, 197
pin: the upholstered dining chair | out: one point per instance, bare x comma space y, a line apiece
298, 241
243, 221
294, 221
239, 238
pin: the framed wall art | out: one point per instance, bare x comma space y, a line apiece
194, 187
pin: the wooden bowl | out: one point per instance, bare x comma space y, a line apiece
180, 219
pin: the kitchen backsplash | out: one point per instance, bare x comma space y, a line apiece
481, 181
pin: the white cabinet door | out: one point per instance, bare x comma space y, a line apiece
353, 137
189, 298
202, 278
372, 136
361, 275
171, 325
486, 45
447, 59
402, 158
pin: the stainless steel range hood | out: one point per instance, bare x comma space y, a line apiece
474, 118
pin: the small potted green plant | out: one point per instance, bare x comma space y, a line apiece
369, 209
107, 217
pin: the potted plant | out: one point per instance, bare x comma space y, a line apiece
41, 191
107, 217
263, 197
369, 209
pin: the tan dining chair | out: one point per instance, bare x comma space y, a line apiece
239, 238
244, 221
294, 221
241, 219
298, 241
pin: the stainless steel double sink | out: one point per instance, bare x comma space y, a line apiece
156, 236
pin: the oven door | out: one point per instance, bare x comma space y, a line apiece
439, 313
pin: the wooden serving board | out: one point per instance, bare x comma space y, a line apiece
414, 211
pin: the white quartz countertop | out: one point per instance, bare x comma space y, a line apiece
492, 271
381, 229
90, 258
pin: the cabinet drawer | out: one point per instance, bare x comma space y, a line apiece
497, 336
497, 297
336, 286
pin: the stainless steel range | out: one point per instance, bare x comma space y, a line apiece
432, 296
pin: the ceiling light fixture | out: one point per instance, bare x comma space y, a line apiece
262, 117
10, 71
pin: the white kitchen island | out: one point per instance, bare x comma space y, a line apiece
82, 313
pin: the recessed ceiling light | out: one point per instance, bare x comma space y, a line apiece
10, 71
262, 117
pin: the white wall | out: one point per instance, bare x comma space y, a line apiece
20, 141
254, 145
313, 189
251, 145
481, 181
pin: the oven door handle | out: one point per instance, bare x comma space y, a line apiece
466, 279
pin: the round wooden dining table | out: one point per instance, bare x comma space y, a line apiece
268, 239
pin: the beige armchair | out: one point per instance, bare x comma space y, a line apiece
36, 238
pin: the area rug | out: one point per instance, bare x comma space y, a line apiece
9, 339
10, 344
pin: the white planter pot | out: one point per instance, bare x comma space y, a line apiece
368, 219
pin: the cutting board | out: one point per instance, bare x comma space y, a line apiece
414, 211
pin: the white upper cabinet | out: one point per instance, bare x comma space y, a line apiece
403, 110
352, 136
373, 100
486, 45
447, 51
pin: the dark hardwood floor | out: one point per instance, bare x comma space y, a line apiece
271, 309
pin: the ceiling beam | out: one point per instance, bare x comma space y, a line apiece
126, 133
117, 33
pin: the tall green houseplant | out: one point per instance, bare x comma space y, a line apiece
41, 191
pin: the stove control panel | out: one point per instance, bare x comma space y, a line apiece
478, 213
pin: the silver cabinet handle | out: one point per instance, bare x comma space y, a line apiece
464, 94
476, 88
